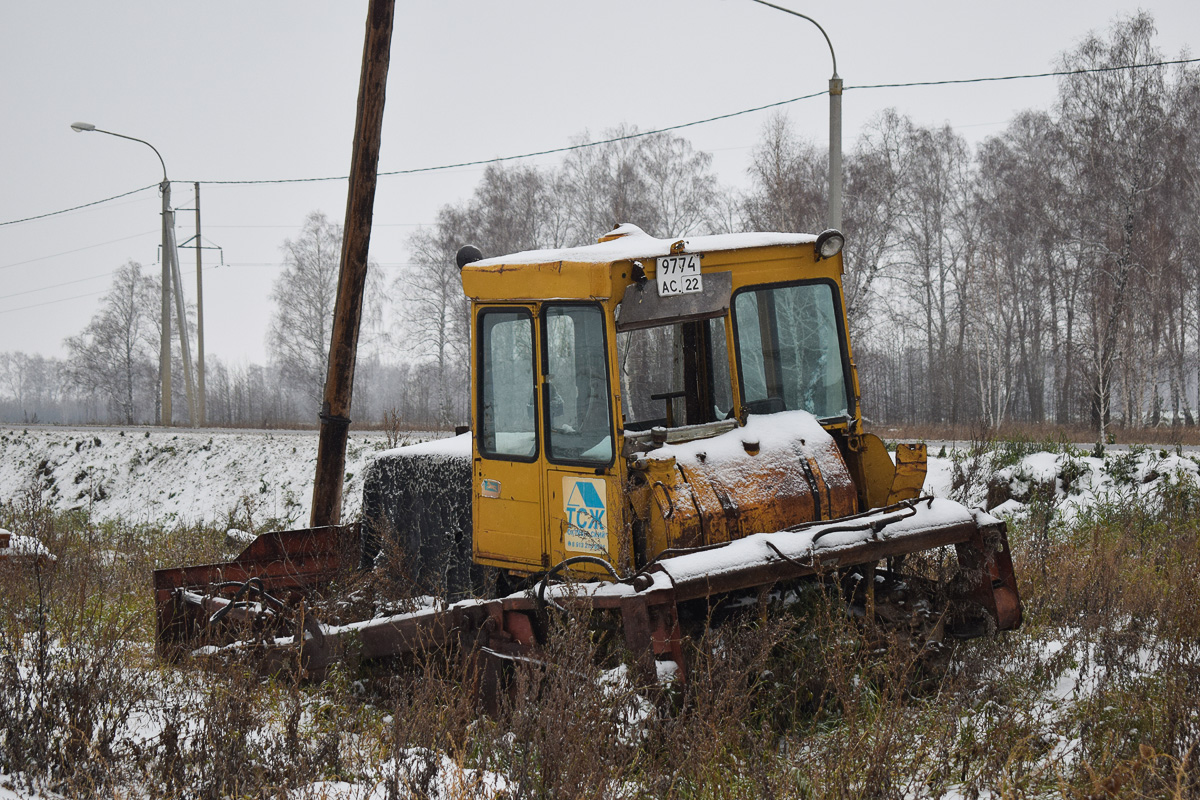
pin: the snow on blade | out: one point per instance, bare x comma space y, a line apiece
800, 545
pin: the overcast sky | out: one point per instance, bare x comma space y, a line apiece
266, 90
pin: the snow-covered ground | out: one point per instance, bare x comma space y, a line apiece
1066, 483
445, 779
157, 475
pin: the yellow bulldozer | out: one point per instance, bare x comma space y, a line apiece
654, 422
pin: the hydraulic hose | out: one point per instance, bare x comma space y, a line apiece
567, 562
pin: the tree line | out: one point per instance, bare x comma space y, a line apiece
1049, 274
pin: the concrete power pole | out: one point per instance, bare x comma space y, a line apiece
171, 258
164, 341
835, 124
835, 149
202, 417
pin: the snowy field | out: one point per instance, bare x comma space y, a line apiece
154, 475
1064, 483
162, 476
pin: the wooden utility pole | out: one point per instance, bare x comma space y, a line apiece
347, 312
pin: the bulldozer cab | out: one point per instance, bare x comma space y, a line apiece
583, 358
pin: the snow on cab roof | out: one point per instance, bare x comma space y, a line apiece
629, 241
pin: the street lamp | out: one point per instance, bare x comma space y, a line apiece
835, 125
170, 273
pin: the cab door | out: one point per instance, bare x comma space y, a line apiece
508, 527
584, 498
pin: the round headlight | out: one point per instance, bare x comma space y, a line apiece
829, 244
467, 254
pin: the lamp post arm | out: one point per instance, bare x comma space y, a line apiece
169, 258
814, 22
143, 141
835, 124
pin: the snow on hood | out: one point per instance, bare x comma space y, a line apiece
633, 242
773, 432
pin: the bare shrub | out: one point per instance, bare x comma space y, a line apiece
71, 674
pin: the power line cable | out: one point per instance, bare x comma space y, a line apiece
1056, 74
682, 125
76, 208
72, 297
641, 134
534, 154
59, 285
52, 302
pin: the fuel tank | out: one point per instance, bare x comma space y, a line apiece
775, 471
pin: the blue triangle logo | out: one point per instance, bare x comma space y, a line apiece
585, 494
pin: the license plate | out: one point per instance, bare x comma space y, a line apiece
679, 275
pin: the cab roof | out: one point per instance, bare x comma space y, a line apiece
626, 242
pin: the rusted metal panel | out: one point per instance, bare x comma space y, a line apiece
639, 635
673, 520
642, 307
719, 512
710, 501
986, 565
284, 561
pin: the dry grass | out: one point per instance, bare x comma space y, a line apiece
1098, 695
1163, 436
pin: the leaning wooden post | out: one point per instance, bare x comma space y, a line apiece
347, 313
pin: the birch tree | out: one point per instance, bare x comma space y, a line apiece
113, 356
1113, 122
305, 293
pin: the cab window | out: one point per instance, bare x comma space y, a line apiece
676, 374
789, 348
576, 393
507, 407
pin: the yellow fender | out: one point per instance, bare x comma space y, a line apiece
884, 481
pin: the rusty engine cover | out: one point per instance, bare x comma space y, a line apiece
776, 471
